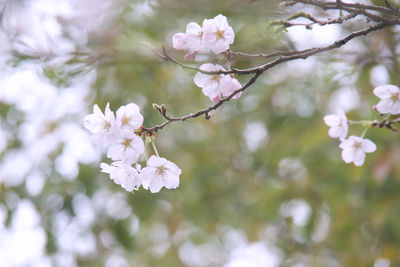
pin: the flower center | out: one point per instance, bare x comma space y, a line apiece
127, 143
107, 125
357, 145
125, 120
161, 171
215, 77
220, 34
395, 96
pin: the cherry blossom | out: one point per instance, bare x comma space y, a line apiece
216, 86
191, 41
127, 147
354, 149
390, 99
129, 117
193, 37
217, 34
338, 124
122, 174
101, 125
159, 173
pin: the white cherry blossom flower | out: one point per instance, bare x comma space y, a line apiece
193, 37
127, 147
102, 126
122, 174
216, 86
129, 117
191, 41
210, 84
390, 99
217, 34
354, 149
159, 173
338, 124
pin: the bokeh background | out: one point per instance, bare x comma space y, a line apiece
262, 184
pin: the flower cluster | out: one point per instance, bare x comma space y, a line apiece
215, 34
126, 148
354, 147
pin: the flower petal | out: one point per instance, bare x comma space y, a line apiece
200, 79
193, 28
385, 91
368, 146
358, 157
332, 120
172, 181
386, 105
347, 155
179, 41
155, 185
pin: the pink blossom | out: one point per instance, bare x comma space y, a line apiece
338, 124
218, 85
102, 126
217, 34
354, 149
127, 147
122, 174
129, 117
191, 41
159, 173
390, 99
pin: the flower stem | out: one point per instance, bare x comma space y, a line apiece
155, 149
364, 132
145, 153
365, 123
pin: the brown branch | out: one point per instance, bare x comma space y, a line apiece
270, 55
343, 5
315, 21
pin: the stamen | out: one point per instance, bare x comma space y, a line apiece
125, 120
107, 125
215, 77
357, 145
126, 143
220, 34
161, 171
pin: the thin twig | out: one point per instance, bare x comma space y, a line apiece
270, 55
314, 21
204, 112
